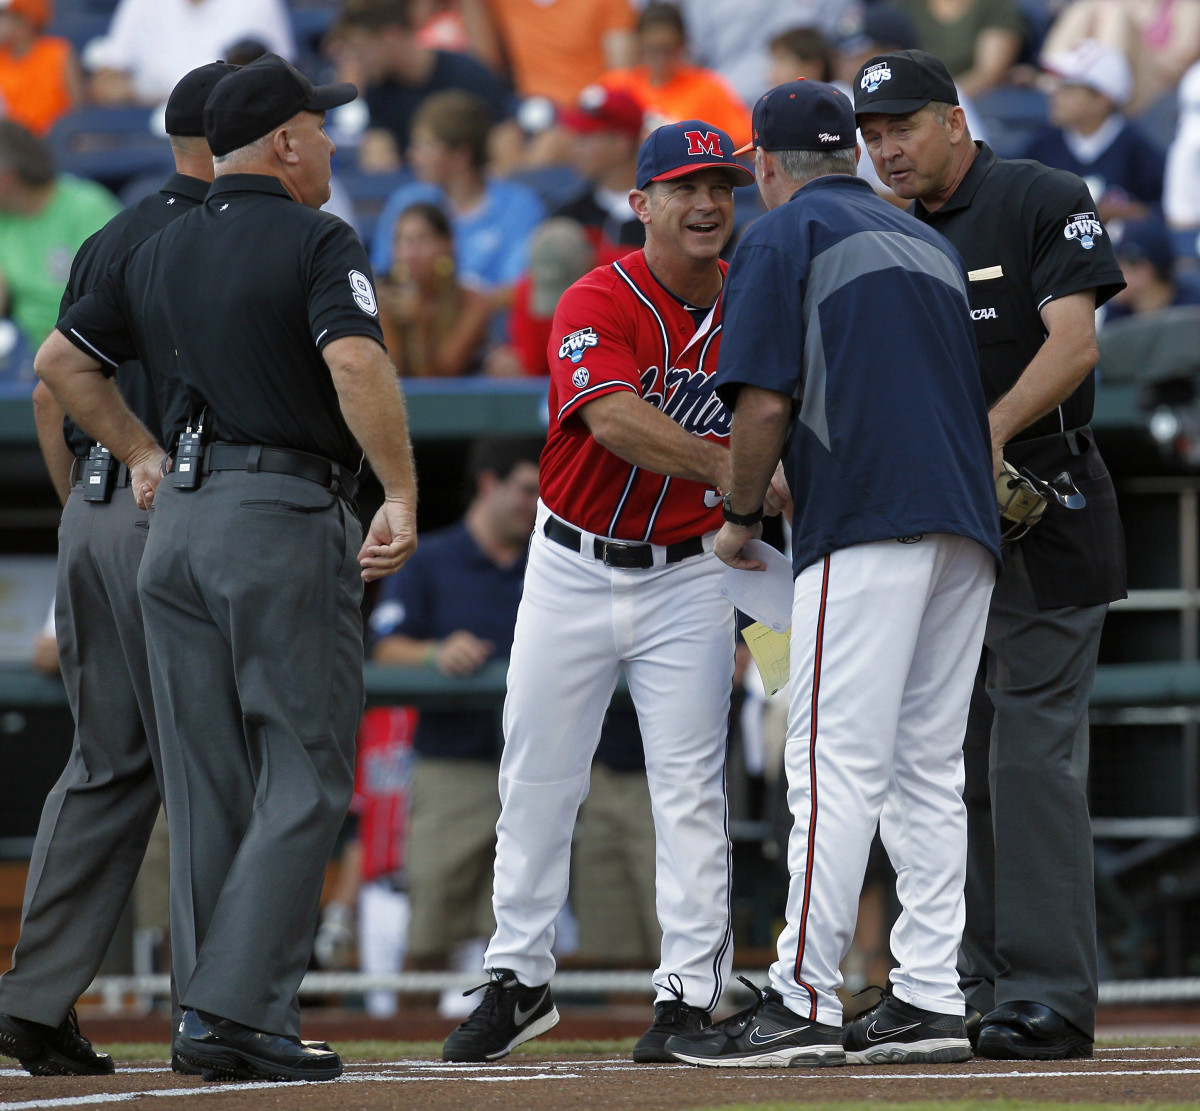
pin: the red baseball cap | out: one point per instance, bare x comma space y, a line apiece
601, 109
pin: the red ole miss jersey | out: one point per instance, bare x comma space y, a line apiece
381, 784
616, 329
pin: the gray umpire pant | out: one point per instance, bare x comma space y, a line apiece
97, 818
250, 588
1031, 906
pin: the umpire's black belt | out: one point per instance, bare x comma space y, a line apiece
618, 553
256, 458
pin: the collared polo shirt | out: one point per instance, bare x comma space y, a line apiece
450, 584
859, 312
235, 301
179, 194
1028, 235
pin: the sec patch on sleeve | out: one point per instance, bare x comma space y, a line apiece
574, 345
364, 292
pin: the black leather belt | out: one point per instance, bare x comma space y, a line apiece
278, 460
618, 553
121, 478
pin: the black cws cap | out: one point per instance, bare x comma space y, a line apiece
185, 105
901, 82
803, 115
677, 149
256, 99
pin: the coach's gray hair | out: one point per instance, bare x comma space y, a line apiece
804, 165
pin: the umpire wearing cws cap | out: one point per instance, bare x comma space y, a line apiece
260, 307
1040, 263
98, 817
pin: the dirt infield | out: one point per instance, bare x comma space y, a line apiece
584, 1082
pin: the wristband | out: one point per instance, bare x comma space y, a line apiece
431, 654
744, 520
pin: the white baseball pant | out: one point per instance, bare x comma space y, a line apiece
580, 622
383, 916
886, 640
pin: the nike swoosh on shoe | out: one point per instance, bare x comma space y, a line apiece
521, 1017
878, 1035
773, 1037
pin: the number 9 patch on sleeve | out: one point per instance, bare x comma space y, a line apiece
364, 292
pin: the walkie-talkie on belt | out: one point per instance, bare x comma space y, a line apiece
189, 458
99, 470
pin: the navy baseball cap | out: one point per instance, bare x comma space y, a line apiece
803, 115
252, 101
678, 149
185, 105
901, 82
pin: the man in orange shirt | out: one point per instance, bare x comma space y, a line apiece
670, 88
40, 79
553, 48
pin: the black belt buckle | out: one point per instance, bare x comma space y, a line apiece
613, 553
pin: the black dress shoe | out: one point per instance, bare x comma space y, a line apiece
1024, 1031
226, 1050
51, 1050
972, 1019
184, 1069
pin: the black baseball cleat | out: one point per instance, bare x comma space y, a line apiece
51, 1050
1025, 1031
222, 1049
897, 1032
510, 1014
671, 1016
765, 1035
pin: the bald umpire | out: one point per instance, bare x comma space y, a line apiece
97, 819
259, 307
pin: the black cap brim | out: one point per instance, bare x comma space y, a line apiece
331, 96
892, 107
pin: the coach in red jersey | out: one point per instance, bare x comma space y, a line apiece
621, 576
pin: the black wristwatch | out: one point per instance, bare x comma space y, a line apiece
745, 520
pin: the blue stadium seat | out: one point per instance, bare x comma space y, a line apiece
110, 145
555, 184
1012, 115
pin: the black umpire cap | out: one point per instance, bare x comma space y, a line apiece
901, 82
261, 96
185, 105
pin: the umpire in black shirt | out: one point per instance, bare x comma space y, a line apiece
261, 308
1039, 263
98, 817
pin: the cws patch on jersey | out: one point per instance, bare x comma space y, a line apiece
875, 76
1084, 226
574, 345
364, 292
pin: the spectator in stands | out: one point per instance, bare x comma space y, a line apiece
378, 46
800, 54
372, 877
492, 218
671, 89
151, 43
1159, 38
732, 36
433, 326
1148, 263
606, 128
552, 48
1089, 136
40, 78
452, 610
1181, 197
560, 253
44, 217
979, 40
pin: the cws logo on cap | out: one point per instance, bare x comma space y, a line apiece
677, 149
874, 76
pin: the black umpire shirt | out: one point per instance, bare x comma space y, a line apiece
1029, 235
98, 252
235, 301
